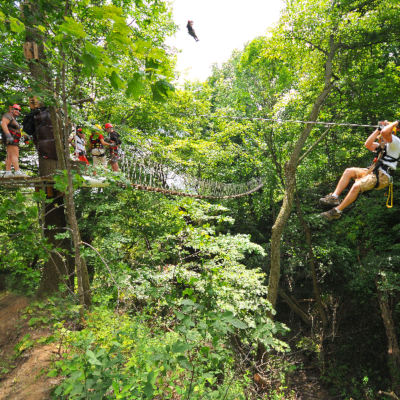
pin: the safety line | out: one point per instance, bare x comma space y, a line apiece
279, 120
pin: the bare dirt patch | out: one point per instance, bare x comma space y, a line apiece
23, 374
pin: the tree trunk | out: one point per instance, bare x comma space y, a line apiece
290, 181
311, 261
393, 353
59, 264
56, 137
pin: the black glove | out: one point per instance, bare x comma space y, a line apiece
9, 139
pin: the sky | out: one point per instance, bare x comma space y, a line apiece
221, 26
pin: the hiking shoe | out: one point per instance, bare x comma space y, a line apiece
329, 200
20, 174
8, 174
331, 214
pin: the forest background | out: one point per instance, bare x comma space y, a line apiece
163, 297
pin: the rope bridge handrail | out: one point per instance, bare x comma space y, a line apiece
142, 173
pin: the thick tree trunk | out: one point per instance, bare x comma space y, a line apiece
56, 266
59, 267
290, 182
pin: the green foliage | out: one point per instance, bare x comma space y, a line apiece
190, 312
22, 248
120, 357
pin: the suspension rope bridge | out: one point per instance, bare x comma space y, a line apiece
145, 174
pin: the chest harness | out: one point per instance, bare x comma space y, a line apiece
14, 130
378, 163
95, 141
114, 137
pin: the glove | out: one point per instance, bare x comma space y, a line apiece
9, 139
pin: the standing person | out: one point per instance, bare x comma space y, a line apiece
97, 147
375, 177
11, 137
114, 141
79, 143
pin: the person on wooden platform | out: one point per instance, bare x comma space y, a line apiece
11, 135
97, 147
115, 142
78, 141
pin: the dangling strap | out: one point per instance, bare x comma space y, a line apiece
389, 200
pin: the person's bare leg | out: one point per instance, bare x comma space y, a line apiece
350, 197
8, 160
12, 158
348, 175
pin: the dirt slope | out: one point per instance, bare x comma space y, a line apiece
24, 377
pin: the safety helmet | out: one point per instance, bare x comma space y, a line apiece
16, 107
97, 127
107, 125
79, 130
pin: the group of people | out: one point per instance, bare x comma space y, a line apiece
12, 135
98, 145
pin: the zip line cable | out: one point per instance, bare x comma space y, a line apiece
279, 120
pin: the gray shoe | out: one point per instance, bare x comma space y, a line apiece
331, 214
8, 174
20, 174
329, 200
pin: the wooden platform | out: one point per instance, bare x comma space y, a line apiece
37, 181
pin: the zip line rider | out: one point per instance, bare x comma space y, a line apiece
375, 177
11, 137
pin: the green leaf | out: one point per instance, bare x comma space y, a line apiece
161, 90
92, 358
116, 81
136, 85
180, 347
152, 64
89, 60
184, 363
16, 25
148, 390
230, 319
73, 28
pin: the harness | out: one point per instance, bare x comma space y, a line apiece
381, 155
80, 146
16, 135
95, 142
114, 137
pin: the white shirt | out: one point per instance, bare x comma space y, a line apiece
392, 150
79, 144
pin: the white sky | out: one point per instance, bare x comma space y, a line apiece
221, 26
